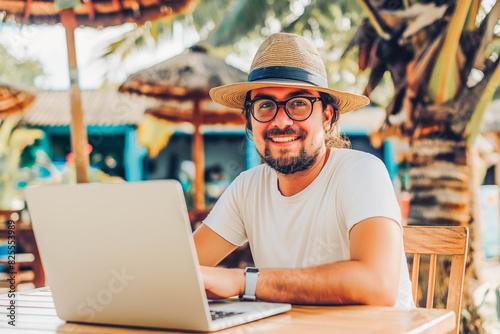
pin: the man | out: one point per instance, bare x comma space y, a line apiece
322, 222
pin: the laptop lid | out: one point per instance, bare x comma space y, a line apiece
120, 253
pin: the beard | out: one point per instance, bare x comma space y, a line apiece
289, 164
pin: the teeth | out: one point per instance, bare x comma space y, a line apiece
283, 139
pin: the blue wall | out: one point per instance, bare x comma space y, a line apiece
242, 155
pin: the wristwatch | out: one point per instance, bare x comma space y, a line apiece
251, 274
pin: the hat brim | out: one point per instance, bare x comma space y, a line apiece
233, 95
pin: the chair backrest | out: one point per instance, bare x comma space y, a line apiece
439, 240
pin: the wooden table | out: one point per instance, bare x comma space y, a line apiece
35, 313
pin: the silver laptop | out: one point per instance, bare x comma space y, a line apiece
123, 254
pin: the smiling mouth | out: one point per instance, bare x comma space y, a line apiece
283, 139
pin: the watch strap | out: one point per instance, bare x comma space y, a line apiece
251, 274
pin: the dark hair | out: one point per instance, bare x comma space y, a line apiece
333, 138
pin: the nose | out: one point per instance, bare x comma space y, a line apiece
281, 120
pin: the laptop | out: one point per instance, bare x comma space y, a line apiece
123, 254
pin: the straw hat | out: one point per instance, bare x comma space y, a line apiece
286, 60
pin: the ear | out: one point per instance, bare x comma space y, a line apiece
327, 117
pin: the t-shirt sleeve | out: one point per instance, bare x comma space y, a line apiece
367, 192
225, 218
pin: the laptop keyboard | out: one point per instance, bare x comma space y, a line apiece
221, 314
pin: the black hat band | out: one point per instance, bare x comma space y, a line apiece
289, 73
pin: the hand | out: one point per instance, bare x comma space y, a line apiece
223, 283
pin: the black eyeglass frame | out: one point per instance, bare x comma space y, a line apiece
312, 99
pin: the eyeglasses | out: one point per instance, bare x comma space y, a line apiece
297, 108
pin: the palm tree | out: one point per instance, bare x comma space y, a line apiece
444, 64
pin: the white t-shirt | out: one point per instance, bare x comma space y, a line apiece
310, 228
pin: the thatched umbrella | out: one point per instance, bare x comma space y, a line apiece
13, 100
92, 13
186, 79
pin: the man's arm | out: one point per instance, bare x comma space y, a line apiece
211, 247
370, 277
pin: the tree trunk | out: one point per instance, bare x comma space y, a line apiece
444, 192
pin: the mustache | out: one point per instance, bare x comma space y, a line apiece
288, 131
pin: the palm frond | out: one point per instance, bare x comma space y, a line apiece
490, 82
382, 28
489, 30
242, 17
420, 16
445, 78
419, 69
208, 14
470, 24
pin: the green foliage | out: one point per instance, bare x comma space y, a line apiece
208, 14
18, 72
242, 18
445, 77
203, 19
13, 140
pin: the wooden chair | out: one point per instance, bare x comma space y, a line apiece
439, 240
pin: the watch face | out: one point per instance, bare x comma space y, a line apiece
252, 270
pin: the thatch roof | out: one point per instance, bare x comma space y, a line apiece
13, 100
100, 107
212, 113
95, 13
189, 75
108, 107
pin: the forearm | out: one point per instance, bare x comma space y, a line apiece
349, 282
